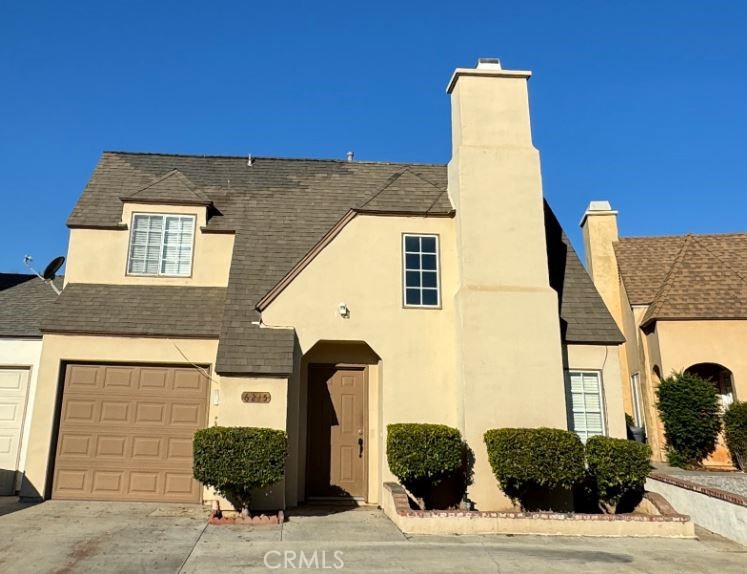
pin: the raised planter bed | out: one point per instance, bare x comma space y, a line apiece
655, 519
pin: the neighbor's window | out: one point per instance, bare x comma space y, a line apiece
421, 280
586, 414
161, 245
635, 392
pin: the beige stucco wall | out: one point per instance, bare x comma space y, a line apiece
414, 379
100, 256
24, 354
605, 359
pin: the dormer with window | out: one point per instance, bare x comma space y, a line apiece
163, 238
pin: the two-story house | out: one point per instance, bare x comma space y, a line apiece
325, 298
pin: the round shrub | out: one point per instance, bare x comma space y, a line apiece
735, 432
524, 460
422, 455
689, 409
617, 470
236, 460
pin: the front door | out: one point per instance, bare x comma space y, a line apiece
337, 432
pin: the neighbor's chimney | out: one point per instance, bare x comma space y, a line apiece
509, 360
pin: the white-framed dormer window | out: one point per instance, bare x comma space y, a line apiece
585, 403
421, 282
161, 245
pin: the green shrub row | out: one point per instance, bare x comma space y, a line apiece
237, 460
525, 462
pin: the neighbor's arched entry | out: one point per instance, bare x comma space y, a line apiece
722, 379
720, 376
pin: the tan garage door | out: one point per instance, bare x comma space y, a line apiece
126, 433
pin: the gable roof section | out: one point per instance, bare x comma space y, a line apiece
705, 281
584, 318
24, 300
644, 263
143, 310
172, 188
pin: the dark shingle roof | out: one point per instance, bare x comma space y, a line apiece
644, 263
24, 298
584, 318
146, 310
279, 209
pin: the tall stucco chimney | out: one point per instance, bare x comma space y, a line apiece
599, 229
508, 330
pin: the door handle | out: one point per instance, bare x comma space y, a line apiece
360, 447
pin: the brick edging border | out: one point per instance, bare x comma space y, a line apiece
700, 488
402, 507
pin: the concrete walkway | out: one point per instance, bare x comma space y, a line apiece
67, 537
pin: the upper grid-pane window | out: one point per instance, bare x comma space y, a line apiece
420, 253
161, 245
585, 403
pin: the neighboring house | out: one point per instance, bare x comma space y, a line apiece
681, 302
325, 298
23, 300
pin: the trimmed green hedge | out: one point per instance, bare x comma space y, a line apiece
689, 408
524, 460
236, 460
735, 432
422, 455
617, 469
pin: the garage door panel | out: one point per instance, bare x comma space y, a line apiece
78, 410
76, 445
131, 437
119, 378
83, 378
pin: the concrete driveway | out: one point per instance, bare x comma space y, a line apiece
71, 537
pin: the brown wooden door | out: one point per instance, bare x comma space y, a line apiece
337, 432
126, 433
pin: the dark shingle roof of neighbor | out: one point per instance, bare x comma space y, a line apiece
279, 209
24, 299
686, 276
584, 318
145, 310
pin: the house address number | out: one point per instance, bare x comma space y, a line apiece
255, 397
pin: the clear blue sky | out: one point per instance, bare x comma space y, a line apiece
639, 102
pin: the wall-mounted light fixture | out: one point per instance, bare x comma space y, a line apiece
343, 310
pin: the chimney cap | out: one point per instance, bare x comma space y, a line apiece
486, 67
602, 207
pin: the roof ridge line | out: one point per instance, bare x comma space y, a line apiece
683, 235
276, 158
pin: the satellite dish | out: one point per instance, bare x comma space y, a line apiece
54, 266
49, 271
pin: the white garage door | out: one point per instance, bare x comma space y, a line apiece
14, 385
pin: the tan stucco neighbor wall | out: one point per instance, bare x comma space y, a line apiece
100, 256
605, 359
